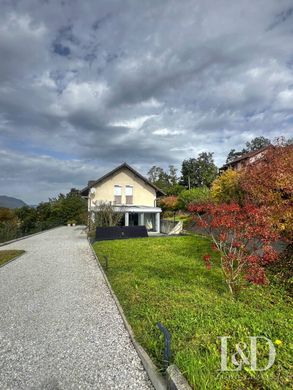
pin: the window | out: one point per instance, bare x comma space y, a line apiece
117, 194
129, 194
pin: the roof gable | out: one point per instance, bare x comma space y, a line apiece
92, 183
246, 156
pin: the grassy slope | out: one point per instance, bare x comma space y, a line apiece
164, 279
7, 255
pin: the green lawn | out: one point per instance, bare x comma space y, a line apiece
179, 217
164, 279
7, 255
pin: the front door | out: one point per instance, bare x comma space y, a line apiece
133, 219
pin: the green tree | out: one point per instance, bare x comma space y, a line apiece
69, 207
188, 173
158, 177
165, 180
175, 189
257, 143
233, 154
57, 211
172, 175
28, 219
8, 224
199, 172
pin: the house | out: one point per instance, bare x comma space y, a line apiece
130, 193
247, 158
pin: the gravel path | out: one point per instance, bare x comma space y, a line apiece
59, 326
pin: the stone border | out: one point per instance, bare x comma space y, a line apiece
174, 378
28, 236
14, 258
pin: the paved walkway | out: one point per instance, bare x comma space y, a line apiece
59, 326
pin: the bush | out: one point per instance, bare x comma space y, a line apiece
106, 215
28, 219
175, 189
226, 188
169, 203
8, 225
168, 214
8, 231
282, 269
194, 195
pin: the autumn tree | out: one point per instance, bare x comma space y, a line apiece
269, 182
226, 188
169, 203
243, 239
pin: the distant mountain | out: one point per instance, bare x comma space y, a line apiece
10, 203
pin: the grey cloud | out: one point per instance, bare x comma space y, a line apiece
282, 17
22, 48
40, 176
144, 82
61, 50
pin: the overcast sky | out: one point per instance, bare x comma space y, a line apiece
86, 85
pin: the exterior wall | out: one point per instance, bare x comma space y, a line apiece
171, 227
256, 157
167, 226
237, 166
240, 165
143, 194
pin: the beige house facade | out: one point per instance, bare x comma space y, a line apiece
130, 193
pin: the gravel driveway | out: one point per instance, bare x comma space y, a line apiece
59, 325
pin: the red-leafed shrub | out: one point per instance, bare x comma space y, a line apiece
169, 203
243, 238
269, 182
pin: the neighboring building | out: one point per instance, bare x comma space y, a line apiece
245, 159
130, 193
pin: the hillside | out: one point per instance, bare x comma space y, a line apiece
10, 202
